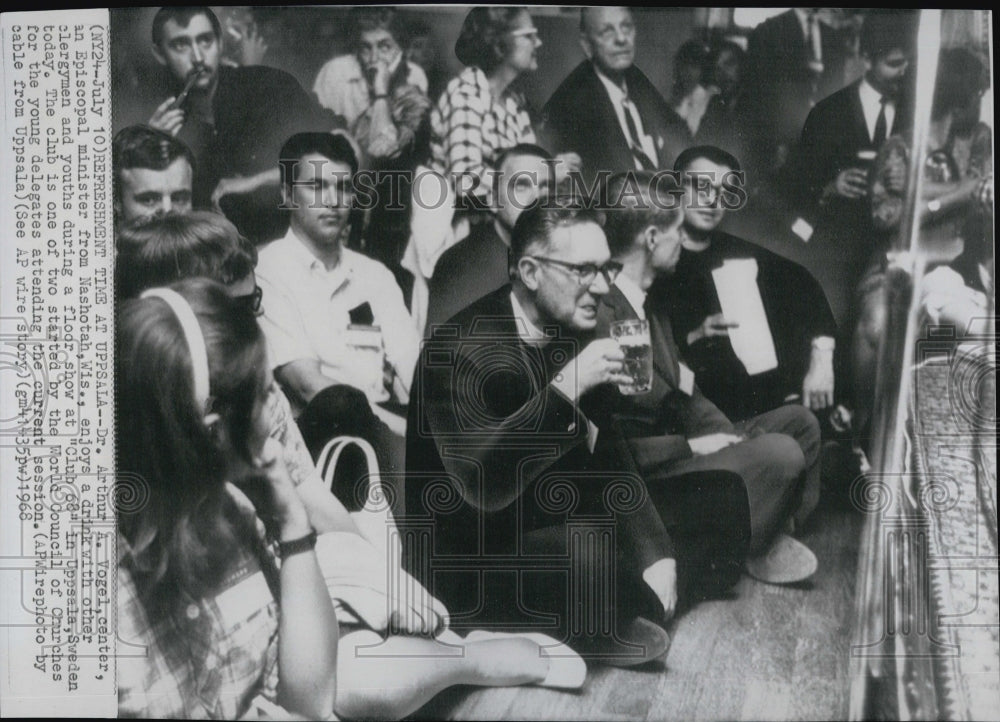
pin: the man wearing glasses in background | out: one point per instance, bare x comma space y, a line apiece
607, 110
798, 315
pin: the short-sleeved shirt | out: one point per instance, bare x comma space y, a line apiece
307, 312
209, 658
470, 128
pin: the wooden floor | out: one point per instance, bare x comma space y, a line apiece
770, 652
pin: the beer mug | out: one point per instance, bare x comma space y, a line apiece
632, 337
866, 161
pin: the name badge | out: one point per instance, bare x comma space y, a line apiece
687, 379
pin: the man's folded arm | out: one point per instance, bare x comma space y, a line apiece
486, 459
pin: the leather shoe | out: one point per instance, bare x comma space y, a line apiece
786, 561
635, 642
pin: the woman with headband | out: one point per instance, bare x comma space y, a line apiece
200, 591
226, 623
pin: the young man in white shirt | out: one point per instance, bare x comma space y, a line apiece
333, 318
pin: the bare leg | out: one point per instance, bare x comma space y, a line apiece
401, 674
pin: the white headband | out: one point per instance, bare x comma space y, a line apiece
195, 340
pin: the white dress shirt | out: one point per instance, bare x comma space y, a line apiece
633, 294
871, 104
306, 313
619, 98
809, 22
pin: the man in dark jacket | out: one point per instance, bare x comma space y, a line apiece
607, 110
798, 316
234, 120
507, 461
673, 430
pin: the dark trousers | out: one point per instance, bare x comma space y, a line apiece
580, 578
342, 410
778, 463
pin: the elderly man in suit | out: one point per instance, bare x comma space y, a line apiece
674, 430
607, 110
507, 454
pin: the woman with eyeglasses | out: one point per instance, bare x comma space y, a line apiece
481, 113
383, 97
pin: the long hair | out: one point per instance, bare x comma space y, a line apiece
182, 540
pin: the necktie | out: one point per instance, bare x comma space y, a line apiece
633, 139
878, 137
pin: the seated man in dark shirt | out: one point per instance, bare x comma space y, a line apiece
233, 119
798, 315
478, 264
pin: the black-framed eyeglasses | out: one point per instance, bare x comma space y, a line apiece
252, 301
585, 273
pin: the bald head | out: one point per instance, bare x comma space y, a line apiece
607, 35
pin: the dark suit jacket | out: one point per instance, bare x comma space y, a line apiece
657, 424
797, 312
833, 134
487, 433
580, 117
466, 272
779, 79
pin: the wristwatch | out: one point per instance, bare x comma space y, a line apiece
296, 546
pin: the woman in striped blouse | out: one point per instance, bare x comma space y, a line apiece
480, 115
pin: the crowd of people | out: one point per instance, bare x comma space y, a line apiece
427, 270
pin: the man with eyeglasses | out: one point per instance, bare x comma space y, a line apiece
607, 110
798, 315
505, 454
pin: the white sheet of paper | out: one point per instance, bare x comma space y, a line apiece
686, 379
739, 296
802, 229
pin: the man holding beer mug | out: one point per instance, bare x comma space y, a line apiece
672, 428
507, 421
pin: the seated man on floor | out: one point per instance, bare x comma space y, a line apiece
342, 342
673, 429
152, 173
507, 456
801, 324
478, 264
